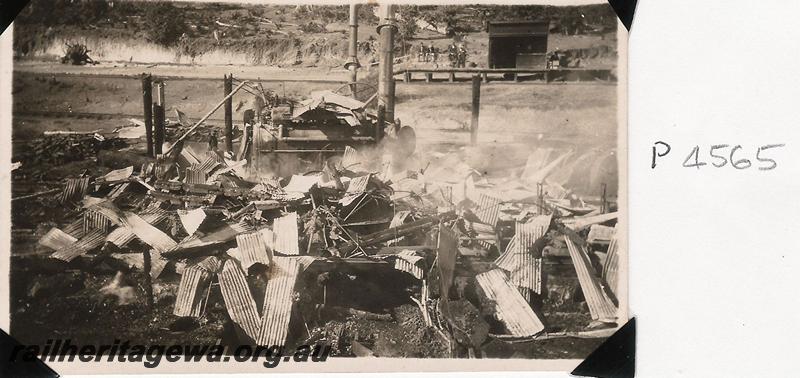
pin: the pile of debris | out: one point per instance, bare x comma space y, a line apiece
337, 240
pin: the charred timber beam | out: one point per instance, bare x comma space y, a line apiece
396, 232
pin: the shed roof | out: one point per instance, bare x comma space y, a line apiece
518, 28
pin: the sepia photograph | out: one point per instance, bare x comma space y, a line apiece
298, 182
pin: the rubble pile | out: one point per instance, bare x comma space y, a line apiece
431, 259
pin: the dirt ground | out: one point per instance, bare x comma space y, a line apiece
515, 118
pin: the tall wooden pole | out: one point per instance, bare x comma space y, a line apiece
228, 114
476, 106
159, 118
352, 63
380, 122
148, 281
147, 100
386, 29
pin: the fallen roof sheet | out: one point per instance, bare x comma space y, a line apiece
85, 244
611, 266
579, 223
193, 292
513, 311
118, 174
95, 220
253, 250
147, 233
600, 306
300, 184
525, 236
121, 236
488, 209
118, 190
191, 219
157, 263
350, 158
408, 261
600, 234
75, 229
286, 236
57, 239
278, 301
239, 300
195, 175
75, 189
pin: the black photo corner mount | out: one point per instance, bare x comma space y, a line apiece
614, 358
625, 10
19, 367
9, 9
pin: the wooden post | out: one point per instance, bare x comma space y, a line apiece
476, 105
380, 122
485, 77
516, 77
159, 118
228, 87
148, 281
452, 77
428, 77
147, 100
407, 76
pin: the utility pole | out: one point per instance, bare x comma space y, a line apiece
352, 63
476, 107
159, 118
386, 30
147, 100
228, 87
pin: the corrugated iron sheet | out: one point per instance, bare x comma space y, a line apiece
238, 299
253, 250
211, 163
75, 229
278, 301
118, 190
408, 261
611, 266
600, 234
195, 175
397, 221
57, 239
488, 209
600, 306
119, 174
157, 263
513, 310
85, 244
350, 158
578, 223
95, 220
191, 219
121, 236
147, 233
527, 273
526, 234
187, 157
211, 264
75, 189
193, 292
358, 185
286, 236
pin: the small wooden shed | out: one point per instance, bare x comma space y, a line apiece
518, 44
